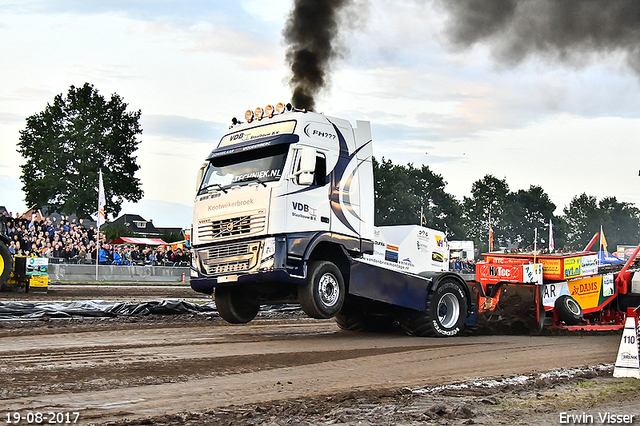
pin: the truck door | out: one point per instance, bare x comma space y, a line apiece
308, 206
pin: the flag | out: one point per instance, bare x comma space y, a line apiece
552, 245
603, 240
490, 237
101, 202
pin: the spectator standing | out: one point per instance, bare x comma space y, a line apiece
117, 257
136, 256
102, 256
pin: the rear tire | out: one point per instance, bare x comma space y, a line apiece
352, 318
6, 264
568, 310
445, 314
233, 306
322, 296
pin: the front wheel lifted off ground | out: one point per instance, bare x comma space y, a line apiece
233, 305
445, 315
322, 296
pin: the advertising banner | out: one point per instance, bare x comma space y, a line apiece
409, 248
37, 266
492, 273
589, 292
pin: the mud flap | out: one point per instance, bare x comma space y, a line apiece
513, 310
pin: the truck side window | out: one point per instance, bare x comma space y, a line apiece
320, 174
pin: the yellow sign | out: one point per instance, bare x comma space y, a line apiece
39, 281
550, 267
586, 291
572, 267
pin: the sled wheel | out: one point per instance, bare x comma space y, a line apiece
568, 310
322, 296
233, 306
542, 314
6, 264
445, 316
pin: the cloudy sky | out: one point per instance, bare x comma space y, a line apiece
566, 120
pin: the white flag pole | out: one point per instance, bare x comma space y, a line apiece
535, 245
100, 219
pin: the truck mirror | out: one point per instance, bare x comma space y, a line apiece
200, 175
305, 178
307, 165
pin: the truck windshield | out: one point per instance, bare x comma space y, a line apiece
259, 165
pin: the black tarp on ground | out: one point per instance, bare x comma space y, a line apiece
99, 308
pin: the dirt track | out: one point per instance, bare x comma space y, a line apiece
285, 369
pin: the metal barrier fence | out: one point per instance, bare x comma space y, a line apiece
118, 273
88, 261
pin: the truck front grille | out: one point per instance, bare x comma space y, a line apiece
232, 257
232, 227
228, 250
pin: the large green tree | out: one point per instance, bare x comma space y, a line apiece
489, 202
440, 210
67, 144
403, 193
394, 200
583, 219
620, 222
529, 210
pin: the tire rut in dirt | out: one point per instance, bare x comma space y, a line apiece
88, 374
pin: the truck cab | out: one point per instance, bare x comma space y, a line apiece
283, 196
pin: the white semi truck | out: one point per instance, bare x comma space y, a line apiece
284, 214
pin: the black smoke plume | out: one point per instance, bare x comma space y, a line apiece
310, 34
566, 30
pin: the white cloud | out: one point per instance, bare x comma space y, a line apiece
190, 66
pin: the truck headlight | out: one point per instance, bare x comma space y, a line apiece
268, 253
194, 264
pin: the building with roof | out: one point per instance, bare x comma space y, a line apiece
137, 225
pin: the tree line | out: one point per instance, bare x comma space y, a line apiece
66, 144
411, 195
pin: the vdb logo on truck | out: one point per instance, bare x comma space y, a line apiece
306, 211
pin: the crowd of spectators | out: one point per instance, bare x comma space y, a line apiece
129, 254
66, 240
462, 266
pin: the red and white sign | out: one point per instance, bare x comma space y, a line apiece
491, 273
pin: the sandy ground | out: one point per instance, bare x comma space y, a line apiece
286, 369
